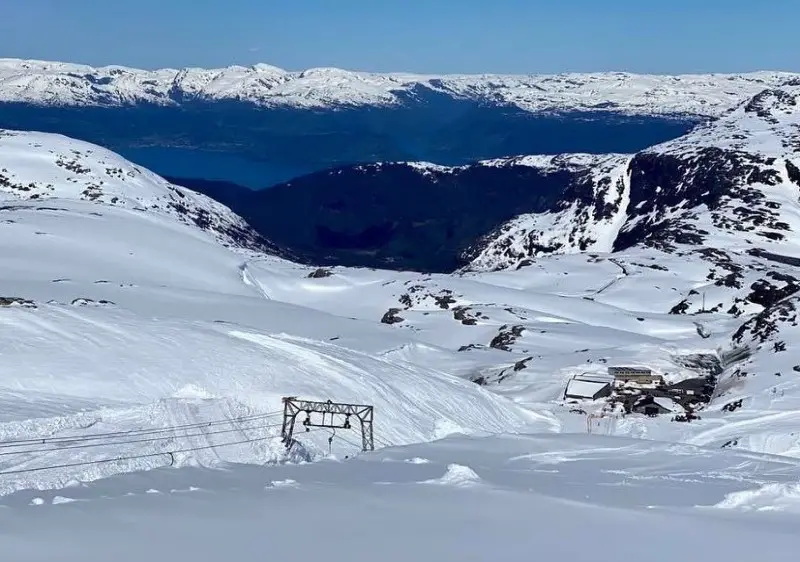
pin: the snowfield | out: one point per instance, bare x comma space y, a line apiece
147, 336
509, 498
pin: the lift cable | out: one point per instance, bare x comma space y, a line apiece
146, 440
133, 457
130, 433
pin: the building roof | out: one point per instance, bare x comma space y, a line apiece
668, 404
696, 383
594, 377
662, 402
578, 388
622, 369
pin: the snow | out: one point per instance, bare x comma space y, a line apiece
140, 320
428, 167
626, 322
770, 497
765, 124
753, 146
575, 227
457, 475
57, 83
144, 356
536, 494
668, 404
41, 166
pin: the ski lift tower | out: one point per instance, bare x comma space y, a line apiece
333, 415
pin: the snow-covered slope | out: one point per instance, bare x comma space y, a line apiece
723, 201
741, 169
588, 216
557, 497
525, 333
120, 315
55, 83
42, 166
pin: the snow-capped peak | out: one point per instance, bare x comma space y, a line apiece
267, 68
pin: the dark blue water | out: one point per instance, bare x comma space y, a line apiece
237, 142
211, 165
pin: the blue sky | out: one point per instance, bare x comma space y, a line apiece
436, 36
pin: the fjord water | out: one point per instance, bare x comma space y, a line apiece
258, 147
213, 165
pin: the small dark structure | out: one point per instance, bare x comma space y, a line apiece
332, 415
697, 386
320, 273
654, 406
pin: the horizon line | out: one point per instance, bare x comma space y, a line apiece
279, 69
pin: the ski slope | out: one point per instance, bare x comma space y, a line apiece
116, 318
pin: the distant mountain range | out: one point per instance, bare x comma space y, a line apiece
260, 125
65, 84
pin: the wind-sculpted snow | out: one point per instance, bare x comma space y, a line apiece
64, 84
86, 370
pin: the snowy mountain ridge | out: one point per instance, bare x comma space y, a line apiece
42, 166
741, 172
66, 84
